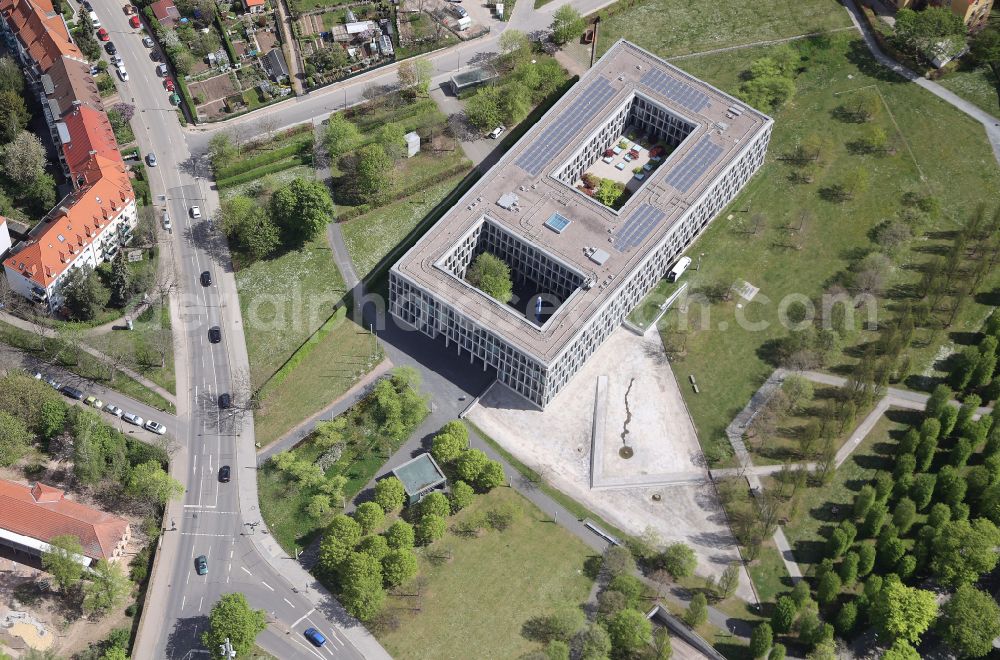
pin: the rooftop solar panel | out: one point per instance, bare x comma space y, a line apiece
638, 226
565, 127
675, 90
694, 164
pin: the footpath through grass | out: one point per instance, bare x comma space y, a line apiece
724, 353
149, 346
476, 603
677, 27
976, 84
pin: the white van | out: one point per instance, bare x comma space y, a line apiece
678, 269
94, 21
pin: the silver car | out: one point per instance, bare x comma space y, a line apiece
113, 410
132, 418
155, 427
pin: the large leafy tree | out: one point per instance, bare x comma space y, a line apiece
390, 494
15, 439
970, 621
567, 23
301, 210
61, 560
149, 482
120, 281
24, 158
963, 550
249, 226
343, 535
986, 49
398, 566
106, 588
373, 175
84, 295
14, 115
450, 442
11, 78
917, 31
341, 135
903, 612
630, 631
361, 586
485, 109
233, 618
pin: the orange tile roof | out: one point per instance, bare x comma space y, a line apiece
90, 134
253, 3
42, 31
43, 512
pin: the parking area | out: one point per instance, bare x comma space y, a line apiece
659, 482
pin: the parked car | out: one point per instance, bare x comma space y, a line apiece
38, 375
168, 84
86, 5
132, 418
206, 278
94, 402
151, 159
117, 60
315, 637
225, 401
112, 409
148, 42
224, 474
55, 384
195, 212
155, 427
72, 392
123, 74
161, 70
110, 48
497, 132
103, 35
166, 221
134, 21
215, 334
95, 22
201, 565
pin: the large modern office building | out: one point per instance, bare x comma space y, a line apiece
681, 148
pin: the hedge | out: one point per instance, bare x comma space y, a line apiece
303, 351
225, 39
260, 172
281, 153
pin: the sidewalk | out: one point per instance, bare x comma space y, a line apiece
51, 334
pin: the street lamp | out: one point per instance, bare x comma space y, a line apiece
699, 261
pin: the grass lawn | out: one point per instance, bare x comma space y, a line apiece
958, 169
824, 506
282, 503
975, 84
284, 300
81, 364
768, 573
646, 311
676, 27
147, 343
371, 236
490, 587
338, 361
279, 178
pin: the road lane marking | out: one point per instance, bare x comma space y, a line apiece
267, 585
203, 534
244, 569
201, 602
289, 602
306, 647
299, 620
183, 600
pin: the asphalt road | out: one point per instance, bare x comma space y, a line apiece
210, 521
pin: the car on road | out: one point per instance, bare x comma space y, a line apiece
225, 401
132, 418
215, 334
224, 474
315, 637
94, 402
497, 132
112, 409
201, 565
134, 21
123, 74
103, 35
195, 212
155, 427
151, 159
166, 221
148, 42
206, 278
110, 48
72, 392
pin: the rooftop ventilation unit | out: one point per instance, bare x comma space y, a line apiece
507, 201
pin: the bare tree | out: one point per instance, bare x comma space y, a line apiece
267, 124
116, 356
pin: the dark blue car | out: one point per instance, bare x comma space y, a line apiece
315, 636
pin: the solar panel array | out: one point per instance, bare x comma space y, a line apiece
637, 227
565, 127
693, 165
676, 90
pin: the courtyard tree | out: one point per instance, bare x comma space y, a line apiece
232, 618
61, 560
24, 158
390, 494
567, 23
14, 115
608, 192
970, 621
11, 77
301, 209
491, 274
106, 588
84, 295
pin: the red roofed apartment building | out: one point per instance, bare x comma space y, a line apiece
88, 226
31, 516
